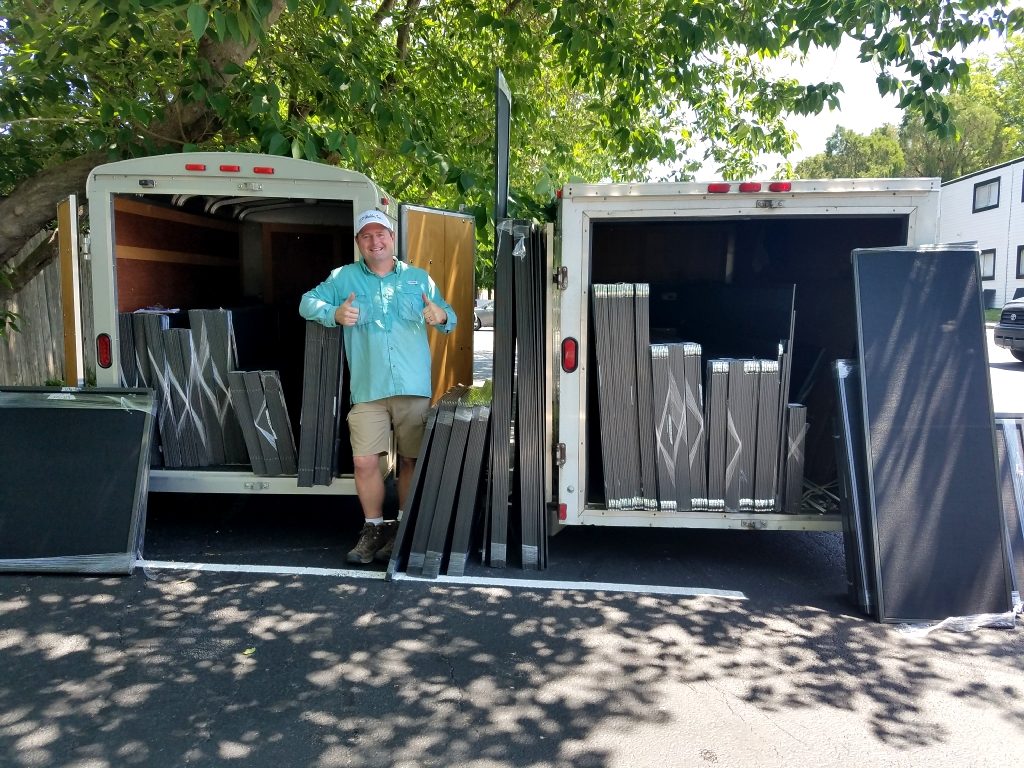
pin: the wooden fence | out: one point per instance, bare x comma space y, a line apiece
35, 355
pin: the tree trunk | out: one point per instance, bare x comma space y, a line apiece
33, 203
40, 256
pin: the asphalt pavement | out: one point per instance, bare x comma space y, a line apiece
707, 648
221, 669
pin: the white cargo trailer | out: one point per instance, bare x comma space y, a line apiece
252, 232
724, 242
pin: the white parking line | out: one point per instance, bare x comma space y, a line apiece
276, 570
588, 586
467, 581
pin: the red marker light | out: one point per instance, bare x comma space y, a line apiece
570, 354
195, 166
563, 512
104, 351
780, 186
719, 187
558, 193
385, 202
263, 169
231, 168
750, 186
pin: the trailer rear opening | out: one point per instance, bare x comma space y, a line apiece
250, 255
197, 233
723, 284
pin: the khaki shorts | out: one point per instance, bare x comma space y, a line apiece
370, 425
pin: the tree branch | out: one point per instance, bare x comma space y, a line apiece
405, 28
43, 251
32, 205
188, 122
382, 11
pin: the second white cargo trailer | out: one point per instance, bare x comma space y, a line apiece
726, 263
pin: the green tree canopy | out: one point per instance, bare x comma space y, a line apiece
402, 89
979, 139
851, 155
987, 128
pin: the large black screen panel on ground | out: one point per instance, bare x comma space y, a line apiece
932, 488
74, 476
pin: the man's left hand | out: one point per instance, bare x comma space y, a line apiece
433, 314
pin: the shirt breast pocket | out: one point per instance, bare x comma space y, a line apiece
367, 311
410, 304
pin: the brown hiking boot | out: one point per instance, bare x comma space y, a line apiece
371, 538
383, 554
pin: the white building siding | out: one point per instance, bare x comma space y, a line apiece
997, 228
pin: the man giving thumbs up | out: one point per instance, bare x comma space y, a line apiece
384, 306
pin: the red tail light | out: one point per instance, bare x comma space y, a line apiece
263, 169
750, 186
104, 351
563, 512
719, 187
570, 354
231, 168
195, 167
780, 186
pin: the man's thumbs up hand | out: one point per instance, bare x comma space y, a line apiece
433, 314
347, 313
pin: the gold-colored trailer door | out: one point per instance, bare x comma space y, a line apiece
442, 243
70, 291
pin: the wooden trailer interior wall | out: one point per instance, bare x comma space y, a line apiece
174, 259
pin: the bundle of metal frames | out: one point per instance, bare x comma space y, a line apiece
322, 407
441, 510
1010, 454
530, 454
727, 451
679, 427
517, 449
614, 320
496, 519
259, 402
187, 368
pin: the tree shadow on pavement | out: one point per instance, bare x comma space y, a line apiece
227, 669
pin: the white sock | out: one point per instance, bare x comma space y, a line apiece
374, 520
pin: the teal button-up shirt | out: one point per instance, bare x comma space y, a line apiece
387, 349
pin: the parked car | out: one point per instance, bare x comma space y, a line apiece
1009, 331
483, 314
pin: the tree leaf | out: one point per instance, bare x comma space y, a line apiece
198, 19
311, 150
278, 144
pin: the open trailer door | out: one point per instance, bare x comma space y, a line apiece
70, 291
442, 243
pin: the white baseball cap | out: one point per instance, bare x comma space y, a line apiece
374, 217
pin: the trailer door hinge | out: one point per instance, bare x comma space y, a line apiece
560, 454
561, 278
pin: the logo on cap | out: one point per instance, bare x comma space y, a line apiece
373, 217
